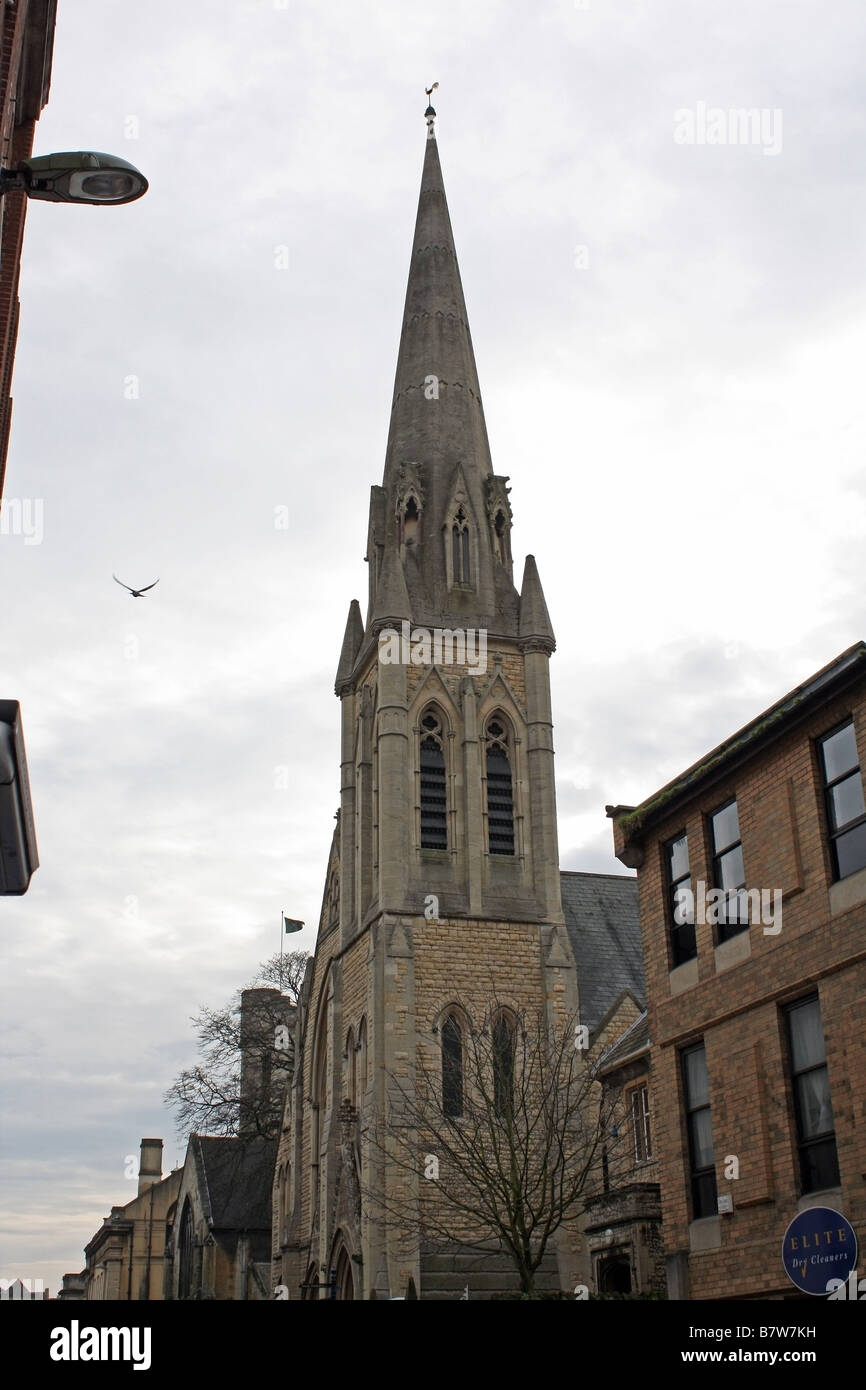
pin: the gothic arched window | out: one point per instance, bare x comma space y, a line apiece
319, 1089
351, 1064
411, 519
500, 796
460, 548
452, 1067
500, 530
504, 1036
434, 830
284, 1199
362, 1060
332, 911
185, 1252
320, 1065
281, 1203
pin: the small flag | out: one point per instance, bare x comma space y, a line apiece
291, 924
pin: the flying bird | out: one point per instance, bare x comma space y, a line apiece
136, 593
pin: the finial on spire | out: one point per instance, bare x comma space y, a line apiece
430, 114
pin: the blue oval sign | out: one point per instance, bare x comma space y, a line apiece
819, 1245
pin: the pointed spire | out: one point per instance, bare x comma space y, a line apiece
436, 412
535, 624
352, 639
391, 604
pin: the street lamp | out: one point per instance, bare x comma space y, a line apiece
75, 176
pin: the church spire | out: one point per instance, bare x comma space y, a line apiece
440, 502
436, 407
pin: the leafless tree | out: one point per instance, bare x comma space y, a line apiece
496, 1139
206, 1098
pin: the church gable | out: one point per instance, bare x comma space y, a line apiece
435, 687
498, 692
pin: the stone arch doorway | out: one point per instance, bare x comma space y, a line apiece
614, 1274
310, 1287
345, 1275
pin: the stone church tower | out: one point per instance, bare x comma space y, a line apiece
443, 879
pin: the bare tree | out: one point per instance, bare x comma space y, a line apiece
495, 1140
210, 1098
283, 972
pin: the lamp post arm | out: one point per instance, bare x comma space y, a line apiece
12, 180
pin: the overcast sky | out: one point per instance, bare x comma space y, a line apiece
670, 339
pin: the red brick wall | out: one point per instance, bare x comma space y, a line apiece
32, 25
737, 1012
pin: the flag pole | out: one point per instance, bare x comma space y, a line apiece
281, 951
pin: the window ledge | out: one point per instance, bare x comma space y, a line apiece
731, 952
847, 893
827, 1197
685, 976
705, 1234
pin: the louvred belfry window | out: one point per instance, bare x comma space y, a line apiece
434, 832
500, 797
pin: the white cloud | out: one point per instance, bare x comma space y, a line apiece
680, 421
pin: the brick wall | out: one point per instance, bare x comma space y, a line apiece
736, 1010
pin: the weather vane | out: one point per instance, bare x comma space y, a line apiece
430, 114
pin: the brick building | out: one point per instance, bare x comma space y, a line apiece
26, 45
444, 915
623, 1223
752, 883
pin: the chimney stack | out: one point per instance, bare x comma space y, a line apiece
150, 1165
264, 1011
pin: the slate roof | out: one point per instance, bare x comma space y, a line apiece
236, 1176
601, 916
632, 1041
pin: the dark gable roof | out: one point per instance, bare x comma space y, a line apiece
631, 1042
601, 916
237, 1178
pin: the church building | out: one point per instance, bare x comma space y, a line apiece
444, 907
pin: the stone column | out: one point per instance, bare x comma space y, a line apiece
348, 702
542, 787
473, 826
392, 752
